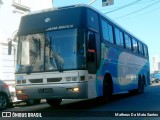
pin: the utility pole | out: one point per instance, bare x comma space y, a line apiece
91, 2
1, 3
52, 3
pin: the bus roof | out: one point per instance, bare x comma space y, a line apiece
85, 6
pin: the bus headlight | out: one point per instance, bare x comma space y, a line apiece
68, 79
71, 78
23, 81
19, 82
20, 91
74, 78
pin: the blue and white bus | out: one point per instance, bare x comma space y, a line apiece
75, 52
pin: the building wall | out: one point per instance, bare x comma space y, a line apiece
155, 63
11, 15
11, 12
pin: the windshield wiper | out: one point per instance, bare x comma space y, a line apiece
34, 55
58, 60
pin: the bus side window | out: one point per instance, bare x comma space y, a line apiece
107, 31
145, 51
119, 37
135, 46
141, 52
128, 42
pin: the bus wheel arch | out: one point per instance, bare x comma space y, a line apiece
107, 86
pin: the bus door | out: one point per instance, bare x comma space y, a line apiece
93, 52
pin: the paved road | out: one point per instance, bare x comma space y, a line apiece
121, 103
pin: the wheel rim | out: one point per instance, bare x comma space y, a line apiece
3, 102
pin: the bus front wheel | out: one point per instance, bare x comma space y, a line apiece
107, 88
54, 102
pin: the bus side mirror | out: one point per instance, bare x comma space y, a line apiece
9, 47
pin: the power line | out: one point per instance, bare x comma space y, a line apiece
123, 6
151, 11
138, 10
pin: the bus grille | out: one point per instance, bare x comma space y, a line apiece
54, 79
36, 80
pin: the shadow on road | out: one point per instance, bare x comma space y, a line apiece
89, 103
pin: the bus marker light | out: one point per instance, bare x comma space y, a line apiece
22, 96
100, 77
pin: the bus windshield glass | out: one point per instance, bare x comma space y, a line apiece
51, 51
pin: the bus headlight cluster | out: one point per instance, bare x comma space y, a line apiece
75, 89
72, 79
21, 81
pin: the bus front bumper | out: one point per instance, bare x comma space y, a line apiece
53, 91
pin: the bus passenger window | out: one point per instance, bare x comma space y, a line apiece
127, 42
135, 46
145, 51
119, 37
141, 52
107, 31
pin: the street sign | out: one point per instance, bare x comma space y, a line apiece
107, 2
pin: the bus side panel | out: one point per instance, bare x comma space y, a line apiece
123, 67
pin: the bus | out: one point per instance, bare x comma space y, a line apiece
75, 52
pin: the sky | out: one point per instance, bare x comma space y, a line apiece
139, 17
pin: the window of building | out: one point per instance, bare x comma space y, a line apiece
135, 45
119, 37
107, 31
20, 6
128, 42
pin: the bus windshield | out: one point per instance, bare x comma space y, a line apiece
51, 51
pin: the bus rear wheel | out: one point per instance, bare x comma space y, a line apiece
140, 88
54, 102
141, 85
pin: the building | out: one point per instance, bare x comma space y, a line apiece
11, 12
156, 63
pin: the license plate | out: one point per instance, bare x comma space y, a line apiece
45, 90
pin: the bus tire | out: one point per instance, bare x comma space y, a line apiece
33, 102
141, 86
54, 102
140, 89
29, 102
107, 88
